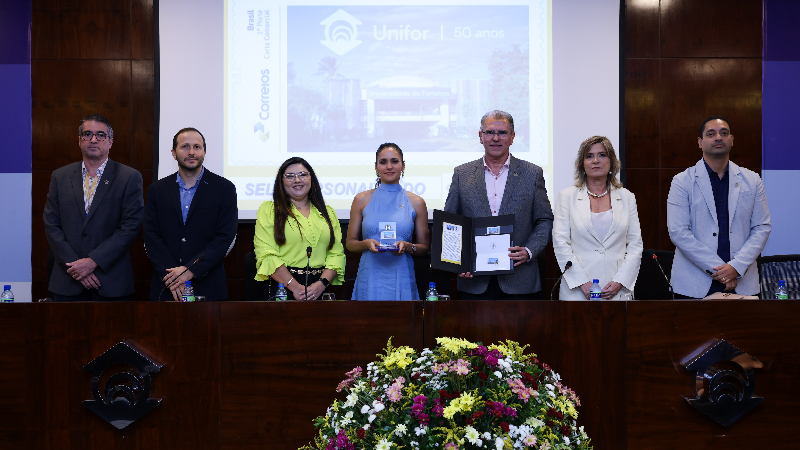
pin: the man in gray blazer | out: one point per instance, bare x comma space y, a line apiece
500, 184
92, 216
718, 219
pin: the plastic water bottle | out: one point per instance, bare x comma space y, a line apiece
432, 295
595, 291
188, 292
280, 294
8, 296
780, 294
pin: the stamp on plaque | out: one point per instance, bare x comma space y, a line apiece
492, 230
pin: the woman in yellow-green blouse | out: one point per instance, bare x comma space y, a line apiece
296, 219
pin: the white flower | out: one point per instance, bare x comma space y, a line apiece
378, 406
365, 427
533, 422
400, 430
498, 374
364, 409
383, 445
487, 435
420, 430
566, 440
583, 433
352, 398
498, 443
472, 435
371, 418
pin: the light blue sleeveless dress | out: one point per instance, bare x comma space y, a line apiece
384, 276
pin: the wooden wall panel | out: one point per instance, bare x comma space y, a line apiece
142, 29
142, 115
641, 183
13, 382
641, 28
90, 29
711, 28
62, 338
642, 106
660, 334
281, 363
583, 341
696, 88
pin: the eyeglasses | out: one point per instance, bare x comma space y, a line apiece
301, 175
502, 134
87, 135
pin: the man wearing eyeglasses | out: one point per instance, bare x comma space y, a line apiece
92, 216
190, 224
500, 184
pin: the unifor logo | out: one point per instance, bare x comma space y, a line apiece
341, 32
125, 373
725, 381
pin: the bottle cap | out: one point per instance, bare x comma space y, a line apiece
188, 283
431, 284
595, 281
8, 287
280, 285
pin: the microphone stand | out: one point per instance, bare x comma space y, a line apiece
308, 268
566, 268
655, 258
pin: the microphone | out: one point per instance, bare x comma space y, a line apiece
566, 268
199, 258
655, 258
308, 267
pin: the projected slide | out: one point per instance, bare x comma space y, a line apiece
330, 83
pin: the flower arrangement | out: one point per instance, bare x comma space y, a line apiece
461, 395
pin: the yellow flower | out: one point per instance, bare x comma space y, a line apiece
454, 345
399, 357
503, 349
463, 403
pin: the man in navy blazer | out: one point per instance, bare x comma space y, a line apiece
500, 184
91, 218
190, 224
718, 219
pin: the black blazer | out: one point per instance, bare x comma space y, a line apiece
105, 234
210, 230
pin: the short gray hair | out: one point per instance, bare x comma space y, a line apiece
96, 118
498, 115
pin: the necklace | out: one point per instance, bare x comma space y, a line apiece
595, 195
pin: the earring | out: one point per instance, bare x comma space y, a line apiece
403, 173
377, 174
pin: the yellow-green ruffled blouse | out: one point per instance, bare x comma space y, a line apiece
270, 256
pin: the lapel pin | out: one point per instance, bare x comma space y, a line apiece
736, 185
515, 173
107, 182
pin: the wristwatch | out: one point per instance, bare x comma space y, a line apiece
325, 282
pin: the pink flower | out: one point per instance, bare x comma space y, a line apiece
450, 446
440, 368
460, 367
529, 441
519, 388
395, 391
351, 377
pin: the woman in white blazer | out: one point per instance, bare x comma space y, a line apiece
596, 227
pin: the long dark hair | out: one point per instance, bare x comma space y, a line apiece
283, 205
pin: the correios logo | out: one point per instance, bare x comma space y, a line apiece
341, 32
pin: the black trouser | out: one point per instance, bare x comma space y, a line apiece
493, 292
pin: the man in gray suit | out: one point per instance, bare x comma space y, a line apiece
500, 184
718, 219
92, 216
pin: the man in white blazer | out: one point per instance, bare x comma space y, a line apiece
718, 219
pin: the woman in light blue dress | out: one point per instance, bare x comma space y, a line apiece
382, 223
